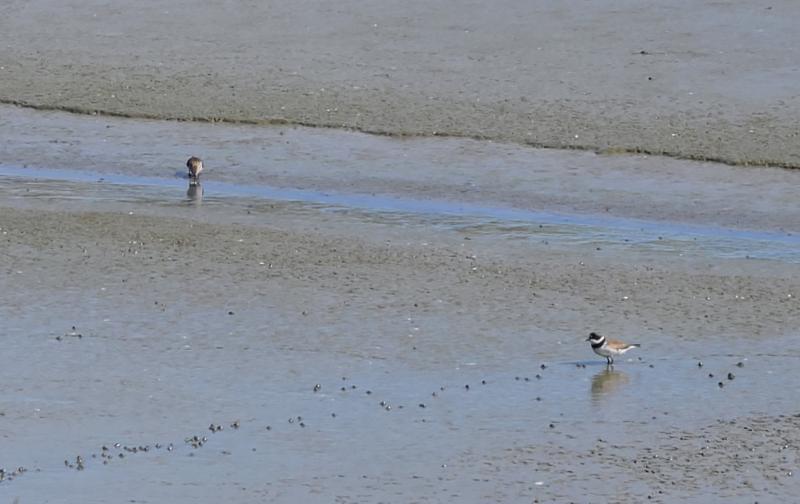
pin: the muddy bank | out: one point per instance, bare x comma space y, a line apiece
703, 81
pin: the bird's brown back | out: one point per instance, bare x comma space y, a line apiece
195, 166
618, 345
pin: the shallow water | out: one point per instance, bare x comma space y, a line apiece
558, 229
442, 173
444, 450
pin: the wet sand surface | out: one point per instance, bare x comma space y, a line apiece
396, 332
705, 80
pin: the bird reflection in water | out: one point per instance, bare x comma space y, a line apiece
607, 381
195, 193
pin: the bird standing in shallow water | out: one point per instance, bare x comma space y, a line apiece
195, 166
609, 348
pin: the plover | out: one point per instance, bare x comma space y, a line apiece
195, 166
609, 348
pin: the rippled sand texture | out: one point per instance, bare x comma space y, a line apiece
707, 80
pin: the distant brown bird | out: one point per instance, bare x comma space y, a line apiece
195, 166
609, 348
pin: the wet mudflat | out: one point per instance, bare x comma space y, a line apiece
335, 317
444, 370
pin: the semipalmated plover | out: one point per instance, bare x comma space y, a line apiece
195, 166
609, 348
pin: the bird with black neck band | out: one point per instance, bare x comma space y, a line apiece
609, 348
